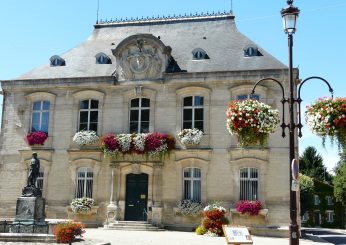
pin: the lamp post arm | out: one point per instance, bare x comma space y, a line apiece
283, 101
299, 99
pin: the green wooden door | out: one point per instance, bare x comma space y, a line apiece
136, 197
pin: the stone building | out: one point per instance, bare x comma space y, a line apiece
148, 75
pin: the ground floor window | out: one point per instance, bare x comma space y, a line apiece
248, 184
192, 184
84, 182
330, 216
39, 180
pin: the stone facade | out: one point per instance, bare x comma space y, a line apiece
139, 71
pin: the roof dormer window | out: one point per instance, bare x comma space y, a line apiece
199, 54
56, 60
251, 52
102, 58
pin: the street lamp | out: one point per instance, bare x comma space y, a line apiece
289, 17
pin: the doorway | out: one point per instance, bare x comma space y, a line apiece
136, 200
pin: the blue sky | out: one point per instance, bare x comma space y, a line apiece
33, 31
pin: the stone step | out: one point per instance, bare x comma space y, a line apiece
132, 225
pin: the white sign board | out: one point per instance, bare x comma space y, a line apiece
237, 234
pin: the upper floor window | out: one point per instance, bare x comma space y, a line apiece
248, 184
39, 180
329, 200
251, 52
40, 116
193, 112
88, 114
84, 182
199, 54
102, 58
305, 217
56, 60
248, 96
139, 115
192, 184
317, 200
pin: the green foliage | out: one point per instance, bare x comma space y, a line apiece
306, 193
340, 182
311, 164
200, 230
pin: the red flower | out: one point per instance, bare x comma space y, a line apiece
36, 138
250, 207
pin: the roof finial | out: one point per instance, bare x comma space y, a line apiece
97, 11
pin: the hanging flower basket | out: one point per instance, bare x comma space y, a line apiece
85, 137
252, 121
36, 138
152, 144
326, 117
190, 136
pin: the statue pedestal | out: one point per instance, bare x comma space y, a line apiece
30, 210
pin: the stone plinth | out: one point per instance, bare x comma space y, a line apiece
30, 209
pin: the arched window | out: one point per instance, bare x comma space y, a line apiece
192, 184
193, 112
248, 96
102, 58
248, 184
40, 116
84, 182
139, 115
199, 54
56, 60
88, 114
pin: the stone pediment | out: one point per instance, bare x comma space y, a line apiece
141, 57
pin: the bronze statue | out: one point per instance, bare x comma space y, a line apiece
34, 170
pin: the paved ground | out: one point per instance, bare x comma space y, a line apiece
165, 237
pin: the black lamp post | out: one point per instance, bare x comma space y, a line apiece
289, 17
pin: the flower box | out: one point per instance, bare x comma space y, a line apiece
86, 139
190, 138
237, 218
36, 138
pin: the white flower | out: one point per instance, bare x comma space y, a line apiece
124, 141
190, 136
85, 137
82, 205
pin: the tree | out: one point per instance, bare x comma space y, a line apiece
339, 182
311, 164
306, 185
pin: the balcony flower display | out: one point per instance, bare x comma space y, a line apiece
326, 117
214, 218
82, 205
152, 144
249, 207
36, 138
252, 121
85, 137
190, 136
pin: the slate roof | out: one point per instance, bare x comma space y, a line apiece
216, 34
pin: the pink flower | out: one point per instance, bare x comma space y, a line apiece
36, 138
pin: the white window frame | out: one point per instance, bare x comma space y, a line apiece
139, 109
193, 107
317, 200
330, 216
245, 185
305, 217
87, 180
89, 110
40, 112
329, 200
193, 193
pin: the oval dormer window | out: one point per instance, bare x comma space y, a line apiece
251, 52
102, 58
56, 60
199, 54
